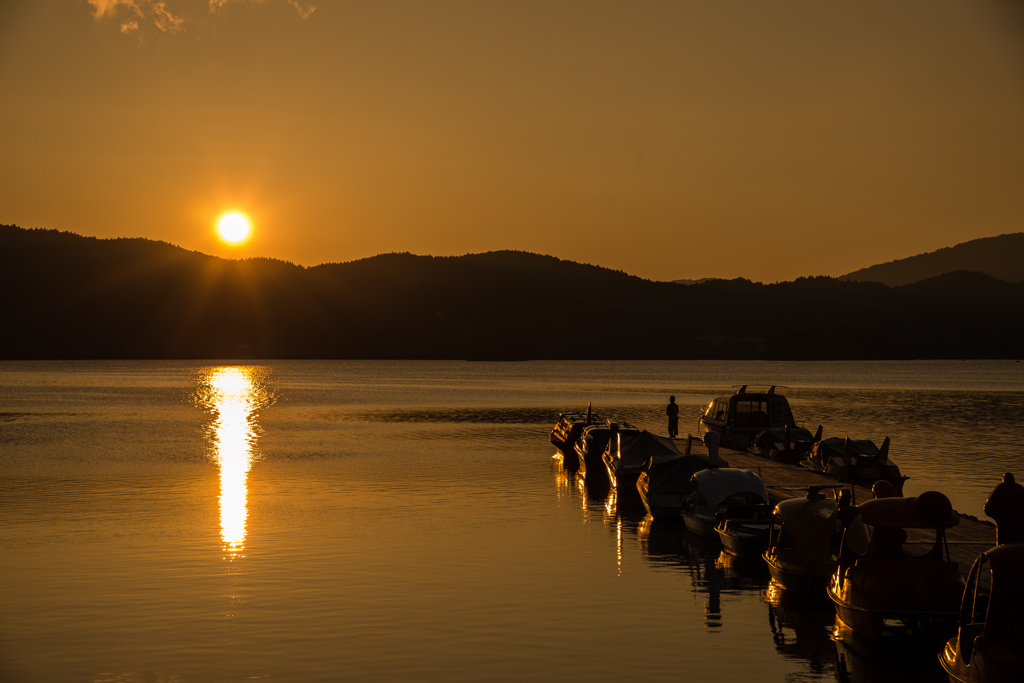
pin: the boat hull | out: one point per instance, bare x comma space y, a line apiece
863, 476
743, 540
564, 445
623, 481
867, 476
569, 461
661, 505
702, 525
567, 431
812, 580
876, 623
589, 462
991, 663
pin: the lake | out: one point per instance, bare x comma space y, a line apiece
385, 521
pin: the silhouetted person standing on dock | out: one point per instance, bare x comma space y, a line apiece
673, 417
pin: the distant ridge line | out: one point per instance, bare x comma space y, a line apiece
1001, 256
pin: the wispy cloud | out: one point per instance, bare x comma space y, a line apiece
134, 14
151, 11
102, 7
164, 20
305, 9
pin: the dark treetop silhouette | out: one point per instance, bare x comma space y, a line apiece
69, 296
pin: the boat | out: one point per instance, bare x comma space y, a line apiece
567, 430
626, 457
745, 532
799, 552
593, 442
739, 417
859, 461
663, 486
880, 589
789, 444
989, 644
715, 491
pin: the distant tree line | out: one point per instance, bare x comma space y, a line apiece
74, 297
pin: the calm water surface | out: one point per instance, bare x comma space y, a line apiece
306, 521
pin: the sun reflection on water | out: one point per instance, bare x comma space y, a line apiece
233, 395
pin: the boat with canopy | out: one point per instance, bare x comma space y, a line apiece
881, 588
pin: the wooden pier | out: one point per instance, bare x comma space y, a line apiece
966, 540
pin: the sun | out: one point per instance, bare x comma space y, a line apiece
233, 227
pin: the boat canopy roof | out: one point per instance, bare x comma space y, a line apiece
644, 446
762, 390
811, 523
769, 437
930, 510
673, 476
716, 484
795, 509
1007, 558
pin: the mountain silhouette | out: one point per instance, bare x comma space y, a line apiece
1002, 257
74, 297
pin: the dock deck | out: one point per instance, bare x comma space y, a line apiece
966, 540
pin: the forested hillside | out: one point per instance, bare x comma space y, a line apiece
68, 296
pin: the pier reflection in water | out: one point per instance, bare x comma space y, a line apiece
802, 627
233, 395
664, 543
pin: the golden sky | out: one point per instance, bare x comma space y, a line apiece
671, 140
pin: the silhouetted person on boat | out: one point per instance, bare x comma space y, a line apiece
673, 417
1006, 505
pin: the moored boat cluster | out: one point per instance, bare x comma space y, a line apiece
762, 423
855, 556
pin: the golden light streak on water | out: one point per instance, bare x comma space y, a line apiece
233, 395
234, 452
610, 506
562, 480
618, 545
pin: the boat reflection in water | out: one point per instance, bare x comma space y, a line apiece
802, 626
234, 395
661, 540
564, 480
862, 659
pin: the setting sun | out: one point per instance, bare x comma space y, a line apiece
233, 228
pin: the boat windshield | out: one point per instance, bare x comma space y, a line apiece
752, 413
